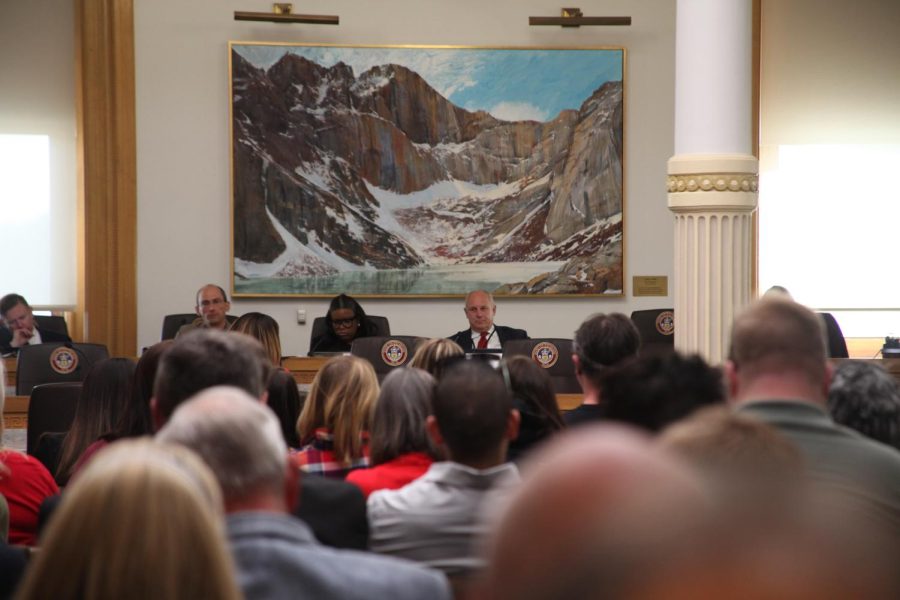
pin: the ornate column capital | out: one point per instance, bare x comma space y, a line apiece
710, 182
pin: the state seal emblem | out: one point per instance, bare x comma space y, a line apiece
394, 353
545, 354
63, 360
665, 322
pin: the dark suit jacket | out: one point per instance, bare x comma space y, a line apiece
335, 511
46, 336
464, 337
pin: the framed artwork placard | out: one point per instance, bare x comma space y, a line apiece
426, 171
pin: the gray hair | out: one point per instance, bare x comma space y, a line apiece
238, 437
865, 397
404, 404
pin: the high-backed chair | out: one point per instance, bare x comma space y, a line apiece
55, 362
51, 409
657, 329
172, 323
554, 355
386, 352
319, 326
837, 345
51, 323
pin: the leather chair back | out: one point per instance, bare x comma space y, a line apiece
554, 354
51, 409
55, 362
172, 323
386, 352
657, 329
52, 323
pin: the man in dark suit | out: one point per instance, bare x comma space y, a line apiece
20, 329
482, 333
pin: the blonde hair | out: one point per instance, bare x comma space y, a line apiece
263, 328
431, 352
341, 399
143, 520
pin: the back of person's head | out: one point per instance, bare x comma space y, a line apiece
534, 398
472, 408
104, 395
741, 456
237, 437
135, 419
430, 354
604, 340
341, 399
143, 520
264, 329
206, 358
9, 301
653, 391
597, 507
285, 401
775, 335
403, 406
866, 398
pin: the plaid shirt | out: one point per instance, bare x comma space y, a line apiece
318, 456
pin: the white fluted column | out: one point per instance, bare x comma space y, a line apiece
712, 184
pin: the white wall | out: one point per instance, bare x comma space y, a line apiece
183, 144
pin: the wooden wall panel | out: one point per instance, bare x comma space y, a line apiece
107, 165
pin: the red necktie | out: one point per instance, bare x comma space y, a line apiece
482, 341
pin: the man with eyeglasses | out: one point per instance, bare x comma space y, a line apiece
212, 310
20, 327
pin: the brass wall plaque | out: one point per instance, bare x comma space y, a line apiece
650, 285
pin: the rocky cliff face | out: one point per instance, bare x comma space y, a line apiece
347, 164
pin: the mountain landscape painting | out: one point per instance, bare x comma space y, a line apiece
426, 171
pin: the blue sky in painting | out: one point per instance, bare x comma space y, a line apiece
510, 84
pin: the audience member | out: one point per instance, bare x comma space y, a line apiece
430, 355
598, 508
745, 461
482, 334
285, 401
212, 310
25, 483
866, 398
134, 418
265, 330
203, 359
344, 322
20, 329
335, 510
777, 372
12, 560
533, 397
602, 341
334, 423
276, 554
104, 395
402, 450
143, 520
653, 391
437, 519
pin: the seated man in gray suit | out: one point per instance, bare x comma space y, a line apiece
275, 553
482, 333
438, 519
777, 372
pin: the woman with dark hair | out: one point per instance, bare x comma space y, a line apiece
533, 397
401, 449
345, 321
104, 394
134, 419
285, 402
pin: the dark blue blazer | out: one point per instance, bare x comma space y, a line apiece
464, 337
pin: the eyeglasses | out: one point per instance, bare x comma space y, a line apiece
343, 322
213, 302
